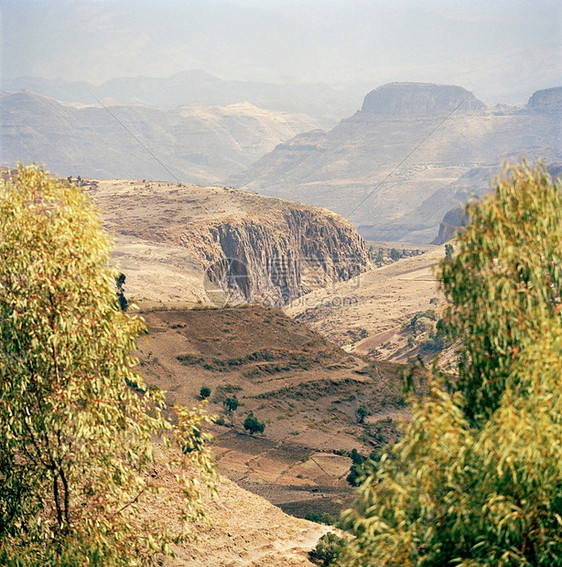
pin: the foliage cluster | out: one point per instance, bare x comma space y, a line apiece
477, 477
328, 549
77, 452
253, 424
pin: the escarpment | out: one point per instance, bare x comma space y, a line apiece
276, 260
400, 99
218, 245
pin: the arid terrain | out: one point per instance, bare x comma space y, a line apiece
370, 314
192, 244
202, 144
305, 389
412, 148
245, 530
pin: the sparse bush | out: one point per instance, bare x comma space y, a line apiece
394, 254
361, 413
230, 404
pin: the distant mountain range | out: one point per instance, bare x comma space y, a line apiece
323, 103
413, 152
189, 143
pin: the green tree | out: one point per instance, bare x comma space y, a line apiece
231, 404
253, 424
205, 392
327, 549
394, 254
505, 280
76, 444
477, 477
120, 282
449, 251
361, 413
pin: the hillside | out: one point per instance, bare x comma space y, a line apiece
407, 149
245, 530
200, 144
373, 316
196, 87
304, 388
193, 244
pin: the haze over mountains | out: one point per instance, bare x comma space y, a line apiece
397, 166
413, 152
323, 103
200, 143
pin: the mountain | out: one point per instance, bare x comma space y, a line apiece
212, 245
190, 143
408, 148
322, 102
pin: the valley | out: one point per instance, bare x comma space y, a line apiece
302, 387
410, 154
283, 311
394, 168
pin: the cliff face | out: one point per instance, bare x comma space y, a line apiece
399, 99
277, 262
546, 100
409, 148
226, 245
450, 225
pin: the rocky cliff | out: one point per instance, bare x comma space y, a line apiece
216, 244
399, 99
546, 100
450, 225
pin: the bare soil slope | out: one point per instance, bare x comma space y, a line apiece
245, 530
305, 389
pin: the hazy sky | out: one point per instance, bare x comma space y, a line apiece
501, 50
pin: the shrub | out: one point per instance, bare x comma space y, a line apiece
205, 392
230, 404
327, 549
476, 478
253, 425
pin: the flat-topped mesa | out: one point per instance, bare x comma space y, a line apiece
546, 100
406, 99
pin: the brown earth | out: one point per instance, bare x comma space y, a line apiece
244, 530
370, 314
190, 244
304, 388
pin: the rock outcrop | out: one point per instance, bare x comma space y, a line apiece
450, 225
400, 99
546, 100
222, 245
278, 262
